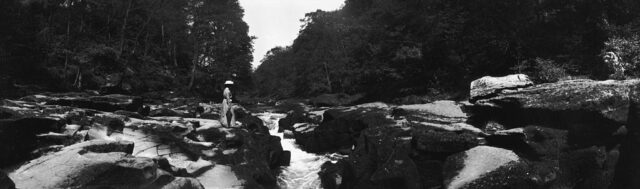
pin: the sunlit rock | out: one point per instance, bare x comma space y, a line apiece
487, 85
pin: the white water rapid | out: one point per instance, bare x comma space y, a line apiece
302, 173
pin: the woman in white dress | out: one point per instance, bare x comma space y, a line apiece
227, 116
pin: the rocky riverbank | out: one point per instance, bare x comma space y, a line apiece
81, 140
512, 134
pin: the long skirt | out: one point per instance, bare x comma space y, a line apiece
227, 116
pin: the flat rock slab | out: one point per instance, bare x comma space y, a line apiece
220, 177
476, 163
444, 108
609, 98
487, 85
75, 166
109, 103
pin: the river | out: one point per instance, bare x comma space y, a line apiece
304, 167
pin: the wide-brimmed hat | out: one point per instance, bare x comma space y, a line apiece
228, 82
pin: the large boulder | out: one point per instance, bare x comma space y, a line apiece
576, 133
398, 147
486, 167
488, 86
94, 164
249, 152
339, 128
292, 118
605, 99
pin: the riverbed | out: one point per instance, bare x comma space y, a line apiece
303, 170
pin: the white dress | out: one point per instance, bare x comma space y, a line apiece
227, 116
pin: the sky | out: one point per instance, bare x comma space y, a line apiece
277, 22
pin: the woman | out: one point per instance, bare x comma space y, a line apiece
227, 116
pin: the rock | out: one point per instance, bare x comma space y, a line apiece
250, 153
335, 99
339, 128
292, 118
288, 105
166, 181
331, 175
288, 134
430, 140
6, 182
488, 86
129, 114
18, 137
113, 122
198, 167
95, 164
485, 167
606, 99
574, 133
446, 115
253, 124
221, 176
163, 163
591, 111
165, 112
395, 147
109, 103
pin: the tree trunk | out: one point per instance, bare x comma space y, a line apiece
328, 77
193, 75
175, 56
78, 81
66, 53
195, 63
124, 27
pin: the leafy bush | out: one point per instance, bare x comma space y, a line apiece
627, 49
542, 70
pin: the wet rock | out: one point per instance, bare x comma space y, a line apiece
488, 86
292, 118
339, 128
288, 134
486, 167
332, 175
254, 124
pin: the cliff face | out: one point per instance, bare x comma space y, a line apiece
569, 134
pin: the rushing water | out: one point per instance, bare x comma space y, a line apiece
304, 167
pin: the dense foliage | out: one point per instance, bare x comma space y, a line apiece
136, 45
391, 48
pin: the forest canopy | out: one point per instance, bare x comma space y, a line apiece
391, 48
134, 45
